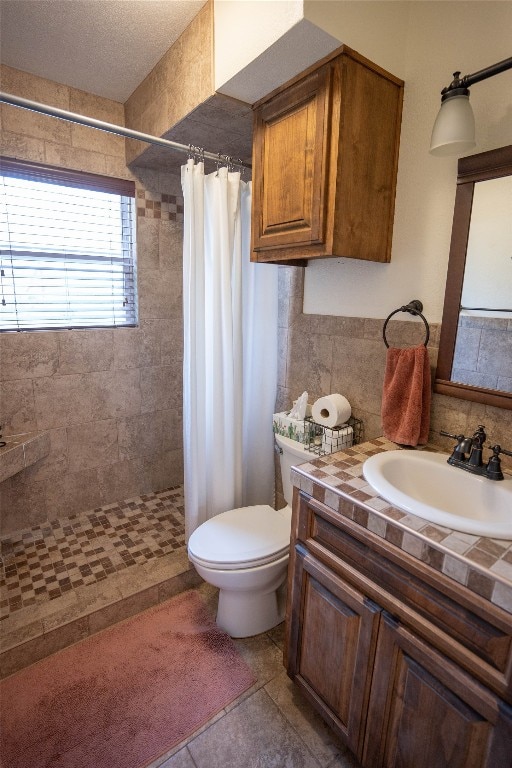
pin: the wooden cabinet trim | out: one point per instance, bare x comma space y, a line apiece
353, 673
457, 592
342, 50
421, 697
355, 171
475, 642
311, 96
480, 712
476, 695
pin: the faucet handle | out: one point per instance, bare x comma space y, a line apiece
463, 444
459, 438
497, 449
493, 469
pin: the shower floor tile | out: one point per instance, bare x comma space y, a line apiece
49, 561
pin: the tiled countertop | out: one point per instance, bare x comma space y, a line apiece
481, 564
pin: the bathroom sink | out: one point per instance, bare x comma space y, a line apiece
423, 484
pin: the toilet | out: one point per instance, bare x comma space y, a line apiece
244, 552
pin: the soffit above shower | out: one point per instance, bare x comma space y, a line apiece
218, 124
293, 52
157, 57
179, 99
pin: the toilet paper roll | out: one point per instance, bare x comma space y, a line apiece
331, 410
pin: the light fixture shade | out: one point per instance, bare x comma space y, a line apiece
454, 128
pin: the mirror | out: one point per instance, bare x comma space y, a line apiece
475, 349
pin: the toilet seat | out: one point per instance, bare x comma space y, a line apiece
242, 538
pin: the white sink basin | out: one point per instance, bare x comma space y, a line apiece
425, 485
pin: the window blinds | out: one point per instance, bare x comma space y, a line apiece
67, 249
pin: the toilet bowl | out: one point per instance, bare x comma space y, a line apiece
244, 552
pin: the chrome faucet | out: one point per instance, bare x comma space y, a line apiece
474, 462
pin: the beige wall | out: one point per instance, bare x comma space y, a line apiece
338, 345
244, 30
422, 42
110, 399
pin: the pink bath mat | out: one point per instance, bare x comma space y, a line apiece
125, 696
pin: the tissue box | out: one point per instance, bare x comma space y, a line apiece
295, 429
308, 408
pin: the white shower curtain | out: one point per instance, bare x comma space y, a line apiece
230, 350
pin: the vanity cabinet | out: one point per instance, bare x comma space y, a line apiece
325, 156
338, 635
408, 669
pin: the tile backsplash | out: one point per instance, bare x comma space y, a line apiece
324, 354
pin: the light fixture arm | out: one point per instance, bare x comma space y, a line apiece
454, 129
460, 85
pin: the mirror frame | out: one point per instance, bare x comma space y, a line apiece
486, 165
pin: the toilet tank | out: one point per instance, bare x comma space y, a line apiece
291, 454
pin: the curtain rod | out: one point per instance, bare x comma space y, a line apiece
91, 122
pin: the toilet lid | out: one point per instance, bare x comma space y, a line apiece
244, 537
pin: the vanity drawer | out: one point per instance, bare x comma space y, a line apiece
465, 627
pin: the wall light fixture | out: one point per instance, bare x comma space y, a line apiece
454, 128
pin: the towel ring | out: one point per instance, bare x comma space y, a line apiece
414, 307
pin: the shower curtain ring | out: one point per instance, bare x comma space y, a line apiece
219, 161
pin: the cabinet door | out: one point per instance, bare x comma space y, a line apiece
425, 712
290, 152
333, 633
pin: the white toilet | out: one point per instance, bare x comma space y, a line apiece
244, 552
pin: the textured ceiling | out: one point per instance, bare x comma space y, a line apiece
105, 47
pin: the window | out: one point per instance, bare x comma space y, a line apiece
67, 249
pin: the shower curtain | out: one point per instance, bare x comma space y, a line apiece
230, 350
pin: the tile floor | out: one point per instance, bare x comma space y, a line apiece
46, 561
269, 726
54, 571
68, 578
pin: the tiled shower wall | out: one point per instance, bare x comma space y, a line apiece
180, 82
110, 399
324, 354
483, 352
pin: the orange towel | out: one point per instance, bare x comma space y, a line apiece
406, 396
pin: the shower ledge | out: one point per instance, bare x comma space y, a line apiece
22, 451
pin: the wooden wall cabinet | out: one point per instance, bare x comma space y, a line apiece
406, 675
325, 157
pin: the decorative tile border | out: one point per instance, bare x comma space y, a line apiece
152, 205
481, 564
